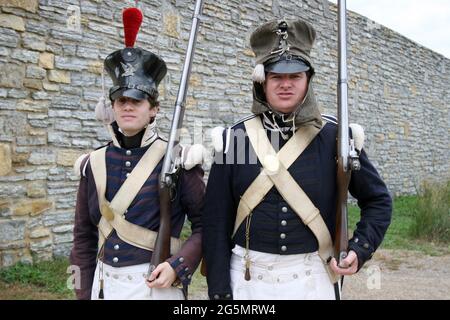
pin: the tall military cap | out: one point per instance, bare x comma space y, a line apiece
135, 72
282, 46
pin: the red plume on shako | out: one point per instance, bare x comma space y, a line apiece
132, 20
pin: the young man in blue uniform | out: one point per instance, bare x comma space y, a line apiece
270, 203
118, 209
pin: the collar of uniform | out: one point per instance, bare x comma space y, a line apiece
278, 123
130, 142
150, 134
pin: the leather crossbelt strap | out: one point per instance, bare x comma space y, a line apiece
113, 213
275, 173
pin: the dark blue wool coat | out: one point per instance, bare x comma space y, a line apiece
315, 172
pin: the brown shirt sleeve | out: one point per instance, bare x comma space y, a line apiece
85, 242
186, 261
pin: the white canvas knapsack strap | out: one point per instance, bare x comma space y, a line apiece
275, 169
113, 213
287, 155
133, 234
134, 181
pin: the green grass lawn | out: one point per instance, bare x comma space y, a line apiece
43, 280
398, 235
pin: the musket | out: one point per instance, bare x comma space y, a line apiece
347, 157
171, 162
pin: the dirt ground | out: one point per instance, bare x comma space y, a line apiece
23, 292
395, 275
401, 275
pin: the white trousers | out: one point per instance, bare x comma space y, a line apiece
280, 277
128, 283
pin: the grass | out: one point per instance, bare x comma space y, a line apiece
47, 279
432, 213
401, 234
186, 231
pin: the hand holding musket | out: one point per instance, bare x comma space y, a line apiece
167, 182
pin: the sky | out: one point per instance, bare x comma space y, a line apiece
425, 22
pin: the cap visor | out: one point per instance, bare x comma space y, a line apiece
287, 66
129, 93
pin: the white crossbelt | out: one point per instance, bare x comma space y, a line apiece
275, 173
113, 213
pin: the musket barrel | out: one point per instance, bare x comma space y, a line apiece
189, 53
343, 142
343, 137
178, 112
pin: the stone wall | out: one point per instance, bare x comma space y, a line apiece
51, 55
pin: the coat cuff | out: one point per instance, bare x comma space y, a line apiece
364, 251
184, 274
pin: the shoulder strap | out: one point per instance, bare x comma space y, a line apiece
270, 159
113, 213
132, 184
275, 169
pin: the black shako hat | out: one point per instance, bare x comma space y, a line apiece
135, 72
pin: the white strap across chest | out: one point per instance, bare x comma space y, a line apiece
113, 213
275, 172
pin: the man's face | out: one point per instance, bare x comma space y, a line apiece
285, 91
133, 115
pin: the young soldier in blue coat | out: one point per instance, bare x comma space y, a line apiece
118, 210
270, 204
